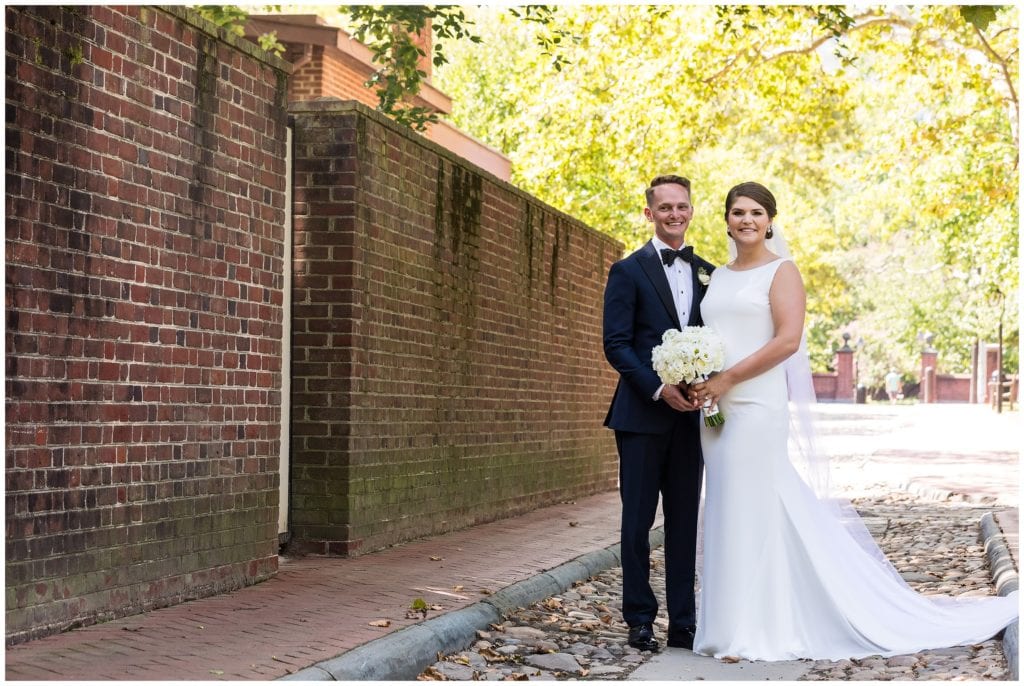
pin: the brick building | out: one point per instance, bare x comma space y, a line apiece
329, 63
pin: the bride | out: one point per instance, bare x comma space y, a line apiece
786, 574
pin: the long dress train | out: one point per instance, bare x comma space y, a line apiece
782, 577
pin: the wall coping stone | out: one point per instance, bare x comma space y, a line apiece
332, 105
251, 49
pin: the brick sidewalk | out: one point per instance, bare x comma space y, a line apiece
317, 608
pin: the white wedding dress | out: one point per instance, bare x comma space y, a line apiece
783, 578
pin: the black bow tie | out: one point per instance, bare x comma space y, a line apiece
668, 255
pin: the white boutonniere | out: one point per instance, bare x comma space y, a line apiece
703, 276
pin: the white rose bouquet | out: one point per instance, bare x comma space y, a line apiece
690, 355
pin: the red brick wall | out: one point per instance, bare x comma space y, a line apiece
447, 358
825, 386
952, 388
305, 82
144, 259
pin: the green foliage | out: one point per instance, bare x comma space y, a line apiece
887, 133
229, 17
388, 30
269, 42
232, 19
979, 16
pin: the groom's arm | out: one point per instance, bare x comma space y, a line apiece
620, 296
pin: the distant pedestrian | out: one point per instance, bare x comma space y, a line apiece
892, 385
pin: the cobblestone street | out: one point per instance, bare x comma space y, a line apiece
579, 634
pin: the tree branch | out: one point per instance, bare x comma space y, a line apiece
1003, 66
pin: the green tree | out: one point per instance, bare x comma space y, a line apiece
887, 133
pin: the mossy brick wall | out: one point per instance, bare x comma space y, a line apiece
145, 196
447, 358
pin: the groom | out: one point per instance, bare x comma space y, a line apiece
657, 429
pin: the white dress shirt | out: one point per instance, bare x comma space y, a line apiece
680, 282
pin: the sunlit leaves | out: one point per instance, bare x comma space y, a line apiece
905, 147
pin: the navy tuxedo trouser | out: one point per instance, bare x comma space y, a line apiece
670, 465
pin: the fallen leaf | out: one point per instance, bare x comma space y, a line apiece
584, 672
457, 587
430, 674
437, 607
415, 614
132, 628
492, 656
381, 623
497, 627
730, 659
519, 676
607, 619
484, 591
216, 672
436, 558
574, 523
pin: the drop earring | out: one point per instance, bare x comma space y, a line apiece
769, 233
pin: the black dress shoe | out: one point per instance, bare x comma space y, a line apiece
641, 637
681, 638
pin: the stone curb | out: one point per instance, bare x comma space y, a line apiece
404, 654
1004, 574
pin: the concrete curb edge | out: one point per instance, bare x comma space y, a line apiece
404, 654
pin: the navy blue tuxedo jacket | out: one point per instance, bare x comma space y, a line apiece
638, 309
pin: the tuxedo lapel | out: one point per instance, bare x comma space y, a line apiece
650, 261
699, 289
698, 294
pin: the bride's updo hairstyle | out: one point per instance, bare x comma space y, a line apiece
756, 192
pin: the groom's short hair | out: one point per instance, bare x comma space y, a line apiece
662, 180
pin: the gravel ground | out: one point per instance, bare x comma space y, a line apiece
580, 635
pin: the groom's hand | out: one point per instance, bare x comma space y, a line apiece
676, 400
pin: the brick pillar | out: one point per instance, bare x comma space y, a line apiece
844, 371
928, 390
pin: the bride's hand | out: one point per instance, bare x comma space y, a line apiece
712, 389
